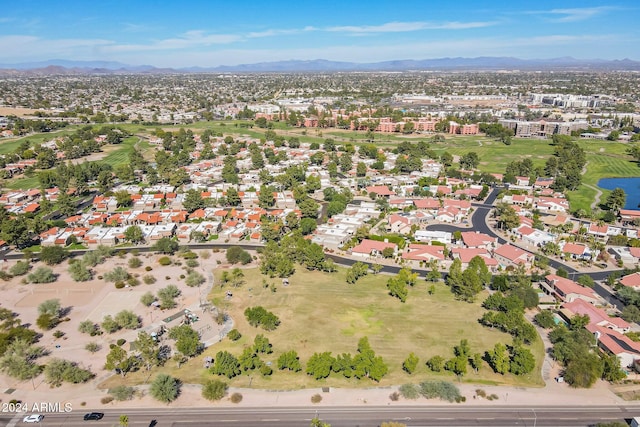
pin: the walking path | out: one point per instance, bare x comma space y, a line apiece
596, 199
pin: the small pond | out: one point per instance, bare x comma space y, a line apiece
631, 187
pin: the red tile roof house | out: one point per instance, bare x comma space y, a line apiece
417, 252
568, 291
597, 316
631, 280
475, 239
576, 250
598, 230
508, 255
626, 350
465, 255
628, 215
381, 191
428, 204
368, 248
399, 224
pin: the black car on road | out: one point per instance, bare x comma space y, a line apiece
93, 416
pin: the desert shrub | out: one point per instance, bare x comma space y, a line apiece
481, 393
79, 272
58, 334
148, 279
109, 324
5, 276
316, 398
409, 391
214, 390
88, 327
205, 255
194, 279
119, 284
122, 392
41, 275
394, 397
147, 299
234, 335
165, 260
20, 268
47, 321
127, 319
52, 255
192, 263
134, 262
148, 268
117, 274
107, 399
120, 342
440, 389
133, 281
92, 258
236, 398
92, 347
235, 254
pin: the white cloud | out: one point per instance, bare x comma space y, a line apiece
277, 32
572, 14
399, 27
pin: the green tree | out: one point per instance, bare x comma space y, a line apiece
616, 199
397, 288
214, 390
187, 340
79, 272
499, 358
165, 388
226, 364
410, 363
165, 245
436, 363
58, 371
52, 255
266, 199
123, 198
134, 234
127, 319
320, 364
289, 360
18, 359
118, 359
41, 275
148, 350
545, 319
522, 361
469, 160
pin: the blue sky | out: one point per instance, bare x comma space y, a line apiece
216, 32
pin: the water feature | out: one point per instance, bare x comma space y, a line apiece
631, 187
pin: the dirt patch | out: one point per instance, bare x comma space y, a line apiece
16, 111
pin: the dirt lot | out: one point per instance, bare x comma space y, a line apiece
93, 300
16, 111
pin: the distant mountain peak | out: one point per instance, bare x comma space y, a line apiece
61, 66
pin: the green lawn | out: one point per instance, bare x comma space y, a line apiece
321, 312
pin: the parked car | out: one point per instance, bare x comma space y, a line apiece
33, 418
93, 416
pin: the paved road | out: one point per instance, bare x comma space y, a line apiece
479, 222
451, 415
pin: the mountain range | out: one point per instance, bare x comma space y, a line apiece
59, 66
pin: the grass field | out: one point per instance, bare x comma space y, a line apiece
321, 312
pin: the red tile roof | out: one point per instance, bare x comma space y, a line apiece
367, 246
